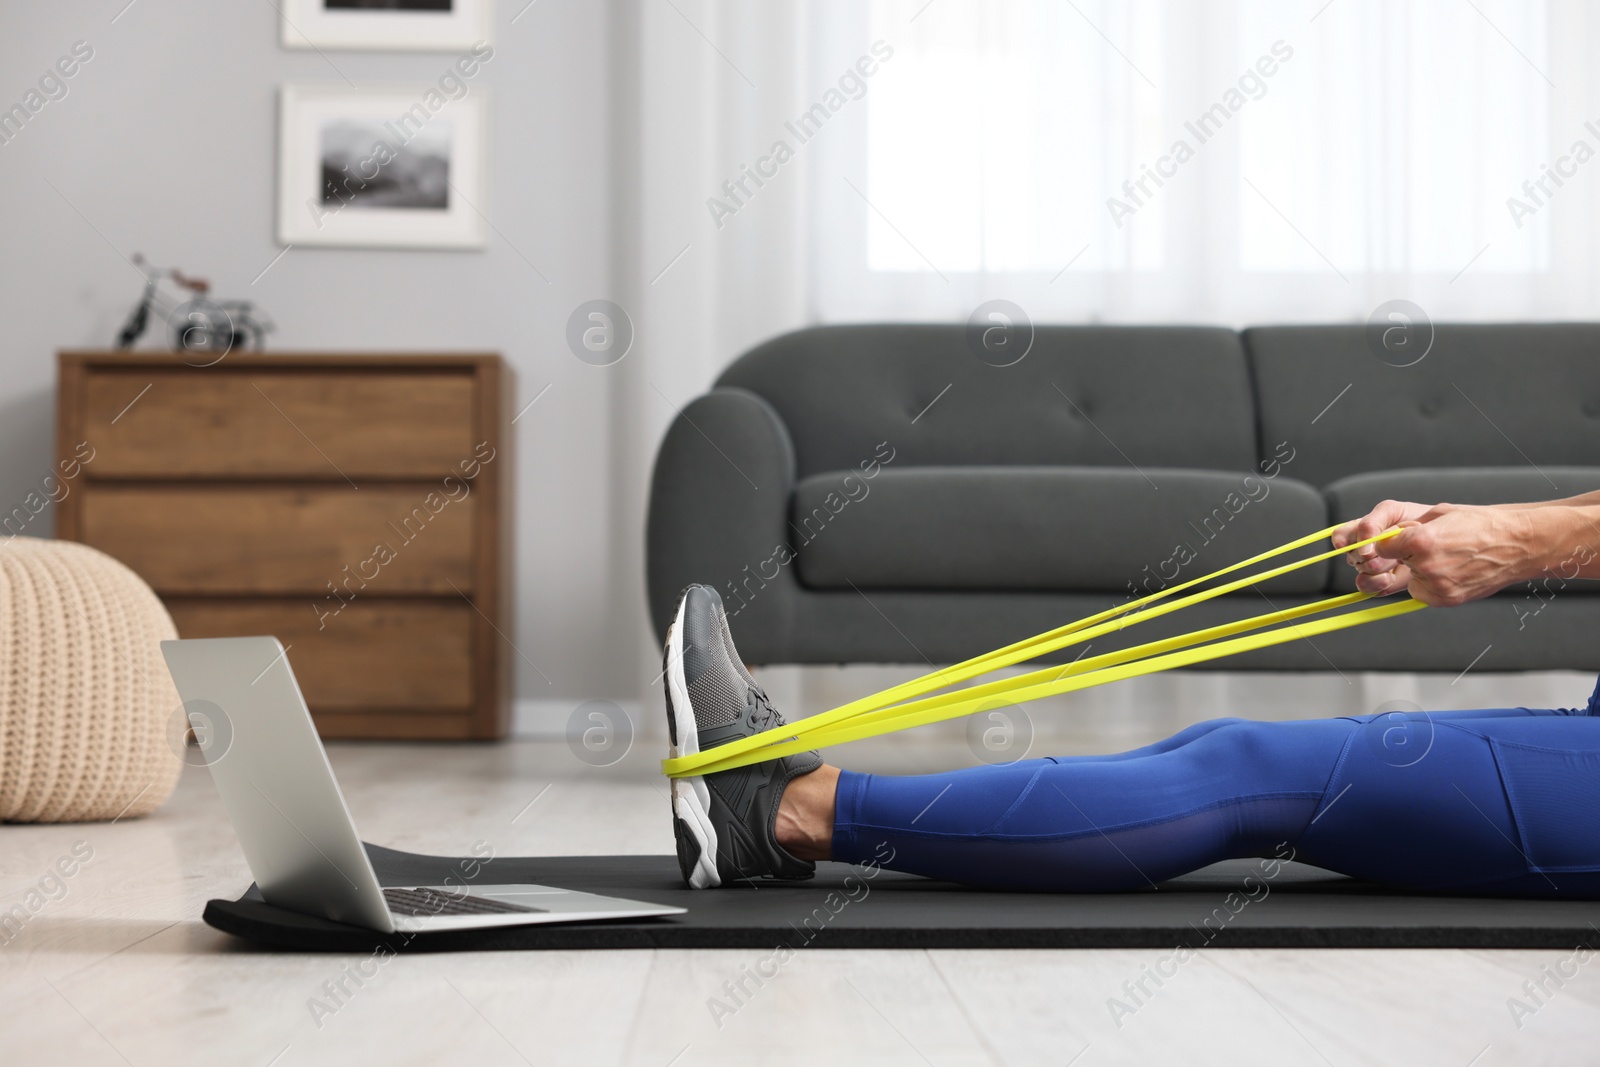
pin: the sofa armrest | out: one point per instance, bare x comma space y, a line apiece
718, 514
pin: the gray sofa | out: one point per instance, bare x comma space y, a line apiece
878, 493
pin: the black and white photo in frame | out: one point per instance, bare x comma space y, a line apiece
386, 167
419, 25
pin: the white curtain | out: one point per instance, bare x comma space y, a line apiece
704, 88
1231, 162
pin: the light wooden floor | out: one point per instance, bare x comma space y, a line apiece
119, 969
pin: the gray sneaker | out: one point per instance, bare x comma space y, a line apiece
723, 822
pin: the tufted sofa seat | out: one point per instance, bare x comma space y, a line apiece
878, 493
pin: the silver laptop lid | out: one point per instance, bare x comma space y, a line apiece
275, 780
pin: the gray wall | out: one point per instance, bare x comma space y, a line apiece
166, 144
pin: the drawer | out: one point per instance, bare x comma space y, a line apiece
394, 540
220, 422
375, 656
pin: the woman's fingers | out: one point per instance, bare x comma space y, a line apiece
1385, 584
1388, 513
1377, 565
1414, 537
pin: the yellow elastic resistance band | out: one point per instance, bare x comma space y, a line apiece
1032, 647
897, 708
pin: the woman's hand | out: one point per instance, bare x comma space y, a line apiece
1446, 554
1376, 574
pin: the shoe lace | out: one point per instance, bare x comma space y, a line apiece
762, 714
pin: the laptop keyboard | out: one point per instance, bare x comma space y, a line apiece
425, 902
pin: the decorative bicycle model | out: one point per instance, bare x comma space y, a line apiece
201, 326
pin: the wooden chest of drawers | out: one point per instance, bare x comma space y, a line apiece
354, 506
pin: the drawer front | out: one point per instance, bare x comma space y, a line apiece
375, 656
218, 422
376, 541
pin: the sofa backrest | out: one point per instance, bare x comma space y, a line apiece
1490, 395
1104, 396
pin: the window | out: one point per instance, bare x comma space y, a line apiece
1148, 160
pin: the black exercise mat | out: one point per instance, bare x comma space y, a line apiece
1238, 904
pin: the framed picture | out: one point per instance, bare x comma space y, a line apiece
421, 25
396, 167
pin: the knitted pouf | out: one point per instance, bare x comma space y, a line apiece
85, 697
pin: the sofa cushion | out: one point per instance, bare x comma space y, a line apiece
1484, 395
1045, 528
1352, 497
1157, 396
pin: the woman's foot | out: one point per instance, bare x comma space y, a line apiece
727, 824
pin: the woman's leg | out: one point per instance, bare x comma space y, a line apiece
804, 823
1418, 800
1238, 789
1486, 803
806, 816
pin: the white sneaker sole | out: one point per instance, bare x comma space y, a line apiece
691, 799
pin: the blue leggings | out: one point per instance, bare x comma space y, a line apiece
1503, 802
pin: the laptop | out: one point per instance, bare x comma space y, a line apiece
291, 819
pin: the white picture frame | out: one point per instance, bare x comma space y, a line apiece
395, 166
326, 24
